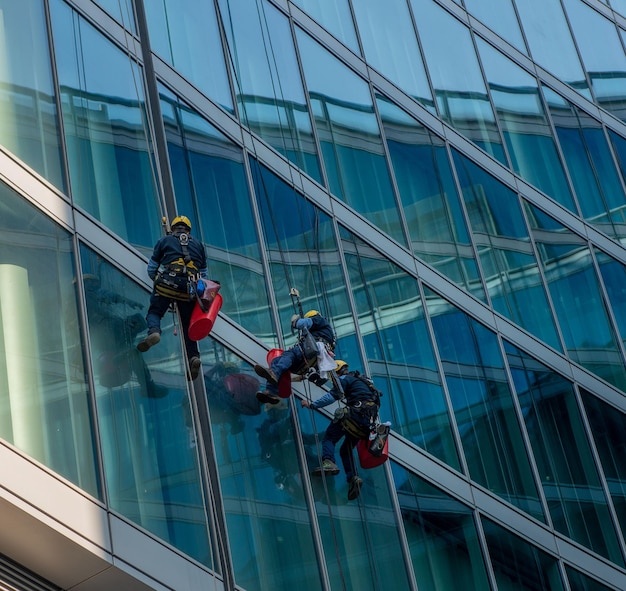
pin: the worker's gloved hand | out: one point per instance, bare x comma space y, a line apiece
305, 403
294, 319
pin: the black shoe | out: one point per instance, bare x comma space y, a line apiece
194, 368
354, 487
267, 373
267, 397
327, 467
153, 338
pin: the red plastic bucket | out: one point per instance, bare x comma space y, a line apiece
284, 384
201, 322
367, 459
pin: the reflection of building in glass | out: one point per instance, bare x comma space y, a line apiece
444, 180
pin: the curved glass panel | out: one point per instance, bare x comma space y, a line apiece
455, 74
517, 565
335, 17
361, 538
398, 348
29, 120
389, 43
152, 473
111, 168
303, 253
268, 86
608, 428
186, 34
430, 200
511, 270
591, 165
442, 537
589, 336
211, 189
602, 55
550, 41
45, 410
349, 135
525, 126
499, 16
484, 407
561, 449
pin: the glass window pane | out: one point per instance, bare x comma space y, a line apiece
602, 55
441, 534
121, 10
185, 33
211, 189
525, 125
550, 41
614, 276
580, 582
519, 566
483, 406
45, 409
456, 77
27, 107
391, 319
500, 16
430, 200
269, 90
111, 169
590, 163
335, 17
152, 474
389, 43
580, 308
565, 462
348, 131
511, 271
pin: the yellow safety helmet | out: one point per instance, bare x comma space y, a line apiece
311, 313
340, 363
181, 219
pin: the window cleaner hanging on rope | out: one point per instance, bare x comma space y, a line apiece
311, 356
354, 422
178, 268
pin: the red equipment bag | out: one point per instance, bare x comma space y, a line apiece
284, 384
367, 458
201, 322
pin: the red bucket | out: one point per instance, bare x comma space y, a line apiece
201, 322
369, 460
284, 384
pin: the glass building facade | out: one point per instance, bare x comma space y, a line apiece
445, 180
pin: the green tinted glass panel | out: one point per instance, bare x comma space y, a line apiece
152, 473
564, 458
45, 409
269, 90
430, 200
211, 189
111, 169
349, 135
575, 289
442, 537
27, 103
484, 407
518, 565
512, 274
580, 582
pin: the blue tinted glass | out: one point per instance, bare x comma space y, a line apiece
590, 163
508, 260
580, 582
185, 33
350, 137
483, 406
389, 43
270, 95
500, 16
579, 304
564, 458
456, 77
111, 169
525, 126
614, 276
430, 200
121, 10
27, 103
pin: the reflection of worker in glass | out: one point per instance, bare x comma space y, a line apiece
113, 328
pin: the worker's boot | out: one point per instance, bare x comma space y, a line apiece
267, 373
153, 338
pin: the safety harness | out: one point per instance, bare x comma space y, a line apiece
177, 279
